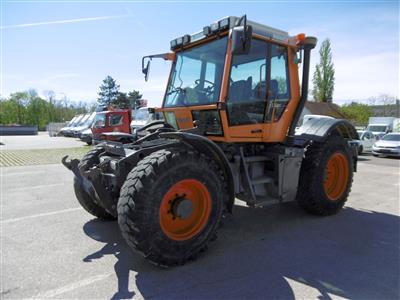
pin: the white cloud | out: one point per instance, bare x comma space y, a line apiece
79, 20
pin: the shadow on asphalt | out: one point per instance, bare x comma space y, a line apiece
354, 254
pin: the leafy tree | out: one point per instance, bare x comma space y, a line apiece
109, 91
134, 98
324, 75
20, 100
357, 112
27, 108
122, 101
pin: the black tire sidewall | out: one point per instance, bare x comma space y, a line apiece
90, 159
187, 172
89, 204
318, 183
147, 199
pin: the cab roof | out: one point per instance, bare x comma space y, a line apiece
228, 23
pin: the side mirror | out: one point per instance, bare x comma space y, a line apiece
146, 70
241, 39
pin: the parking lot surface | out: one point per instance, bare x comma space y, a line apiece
51, 248
40, 141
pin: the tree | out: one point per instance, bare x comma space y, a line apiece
109, 91
27, 108
357, 112
324, 75
134, 98
122, 101
20, 100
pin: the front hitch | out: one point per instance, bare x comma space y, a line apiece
91, 181
72, 165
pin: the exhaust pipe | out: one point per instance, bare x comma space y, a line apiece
309, 44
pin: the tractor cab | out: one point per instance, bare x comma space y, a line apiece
237, 80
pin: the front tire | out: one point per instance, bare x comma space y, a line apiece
326, 176
170, 206
92, 158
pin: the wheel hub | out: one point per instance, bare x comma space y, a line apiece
185, 209
181, 207
336, 176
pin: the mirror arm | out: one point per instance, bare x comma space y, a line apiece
166, 56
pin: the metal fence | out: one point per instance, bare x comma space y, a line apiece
54, 128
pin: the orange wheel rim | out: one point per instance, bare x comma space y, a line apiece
336, 176
185, 209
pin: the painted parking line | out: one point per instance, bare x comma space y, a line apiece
4, 174
85, 282
41, 215
71, 286
36, 187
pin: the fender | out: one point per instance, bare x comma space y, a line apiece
319, 129
208, 147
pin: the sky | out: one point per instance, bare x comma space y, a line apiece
69, 47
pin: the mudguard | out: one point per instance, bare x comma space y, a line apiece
208, 147
320, 129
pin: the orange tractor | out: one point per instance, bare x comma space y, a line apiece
231, 107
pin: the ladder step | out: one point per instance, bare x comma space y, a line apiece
262, 180
255, 158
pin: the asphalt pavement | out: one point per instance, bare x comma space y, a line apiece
51, 248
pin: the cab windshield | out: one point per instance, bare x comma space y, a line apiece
141, 115
196, 75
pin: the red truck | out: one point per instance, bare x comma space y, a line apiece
117, 124
112, 120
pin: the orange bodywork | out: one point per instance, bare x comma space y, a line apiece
269, 132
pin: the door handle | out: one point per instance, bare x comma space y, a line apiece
256, 131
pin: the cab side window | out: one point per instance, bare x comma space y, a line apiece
259, 88
279, 88
116, 120
247, 86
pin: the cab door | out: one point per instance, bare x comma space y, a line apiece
246, 98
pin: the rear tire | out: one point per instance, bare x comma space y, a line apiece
157, 187
89, 204
326, 176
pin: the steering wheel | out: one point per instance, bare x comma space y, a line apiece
208, 90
